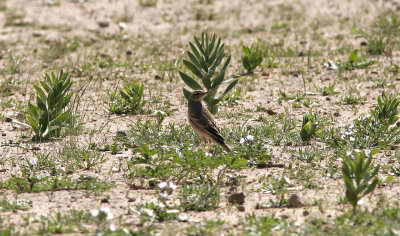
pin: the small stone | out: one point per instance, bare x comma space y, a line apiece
236, 198
129, 52
303, 42
265, 72
295, 201
328, 98
157, 77
241, 208
36, 34
152, 184
104, 200
306, 213
363, 43
3, 134
336, 114
103, 24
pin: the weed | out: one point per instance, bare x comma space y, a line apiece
352, 100
357, 165
354, 62
251, 57
129, 99
327, 90
204, 59
147, 3
199, 197
259, 225
308, 128
49, 115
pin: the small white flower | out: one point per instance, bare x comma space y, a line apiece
122, 25
172, 185
159, 112
94, 212
148, 212
208, 154
352, 139
241, 140
173, 211
367, 152
250, 138
164, 195
163, 185
182, 217
112, 227
107, 211
348, 153
357, 150
160, 205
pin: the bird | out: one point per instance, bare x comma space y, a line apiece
202, 122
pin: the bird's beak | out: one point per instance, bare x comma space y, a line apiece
206, 93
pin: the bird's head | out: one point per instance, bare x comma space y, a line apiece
198, 95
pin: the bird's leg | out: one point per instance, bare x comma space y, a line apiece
209, 145
205, 144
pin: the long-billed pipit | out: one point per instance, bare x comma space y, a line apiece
202, 122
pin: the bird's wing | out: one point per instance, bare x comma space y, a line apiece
205, 122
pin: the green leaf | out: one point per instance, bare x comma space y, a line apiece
33, 123
218, 80
230, 87
193, 69
353, 57
187, 94
189, 81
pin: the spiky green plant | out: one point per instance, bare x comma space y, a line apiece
386, 110
308, 129
50, 113
205, 59
251, 58
133, 95
359, 176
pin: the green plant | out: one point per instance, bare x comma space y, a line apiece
129, 99
327, 90
205, 57
308, 129
147, 3
375, 129
386, 110
354, 62
251, 57
382, 37
50, 115
199, 197
259, 225
359, 176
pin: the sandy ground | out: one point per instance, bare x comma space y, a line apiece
160, 33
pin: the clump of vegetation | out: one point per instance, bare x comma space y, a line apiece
382, 37
251, 58
147, 3
308, 128
205, 57
199, 197
359, 176
129, 100
354, 62
376, 128
52, 100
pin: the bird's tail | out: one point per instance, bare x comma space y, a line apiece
226, 147
221, 141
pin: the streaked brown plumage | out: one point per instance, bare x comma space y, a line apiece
202, 122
